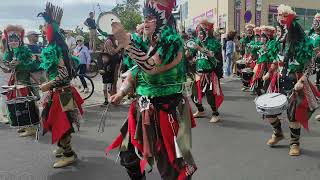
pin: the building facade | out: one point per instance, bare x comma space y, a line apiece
234, 14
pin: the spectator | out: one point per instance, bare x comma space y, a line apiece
71, 41
109, 69
33, 38
223, 39
39, 76
91, 24
229, 52
83, 53
236, 53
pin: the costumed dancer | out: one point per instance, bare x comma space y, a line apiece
264, 62
294, 81
18, 58
314, 34
159, 122
206, 79
275, 57
254, 46
62, 105
249, 36
245, 52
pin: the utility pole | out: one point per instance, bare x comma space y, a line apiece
217, 14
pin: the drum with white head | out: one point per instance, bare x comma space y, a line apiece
105, 21
271, 104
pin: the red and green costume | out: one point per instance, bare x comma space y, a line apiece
158, 128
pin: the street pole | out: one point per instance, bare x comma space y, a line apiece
217, 14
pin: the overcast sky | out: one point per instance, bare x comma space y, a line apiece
24, 12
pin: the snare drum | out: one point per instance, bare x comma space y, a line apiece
23, 111
241, 64
271, 104
247, 75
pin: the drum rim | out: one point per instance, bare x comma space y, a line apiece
21, 100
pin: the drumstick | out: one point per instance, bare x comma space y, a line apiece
103, 120
275, 96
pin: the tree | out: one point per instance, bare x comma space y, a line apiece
129, 14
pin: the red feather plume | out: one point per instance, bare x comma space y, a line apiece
290, 18
49, 33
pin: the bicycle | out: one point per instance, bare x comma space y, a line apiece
78, 85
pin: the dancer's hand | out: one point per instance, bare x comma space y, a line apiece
197, 47
298, 86
266, 77
115, 99
45, 87
210, 54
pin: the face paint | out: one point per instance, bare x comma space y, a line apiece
282, 18
150, 24
13, 40
250, 32
264, 39
316, 24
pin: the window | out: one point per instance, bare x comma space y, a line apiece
305, 16
312, 12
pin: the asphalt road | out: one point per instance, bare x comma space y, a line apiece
233, 149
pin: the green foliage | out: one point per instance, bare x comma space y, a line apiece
129, 14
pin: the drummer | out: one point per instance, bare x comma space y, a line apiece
254, 46
264, 62
274, 53
206, 80
294, 81
18, 57
248, 37
244, 49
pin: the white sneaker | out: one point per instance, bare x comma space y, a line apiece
214, 119
4, 120
199, 114
317, 117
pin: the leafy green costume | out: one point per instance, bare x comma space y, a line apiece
26, 64
315, 38
205, 63
273, 50
269, 55
255, 47
243, 44
170, 82
138, 41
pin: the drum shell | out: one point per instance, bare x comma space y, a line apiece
241, 66
25, 91
273, 111
23, 112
